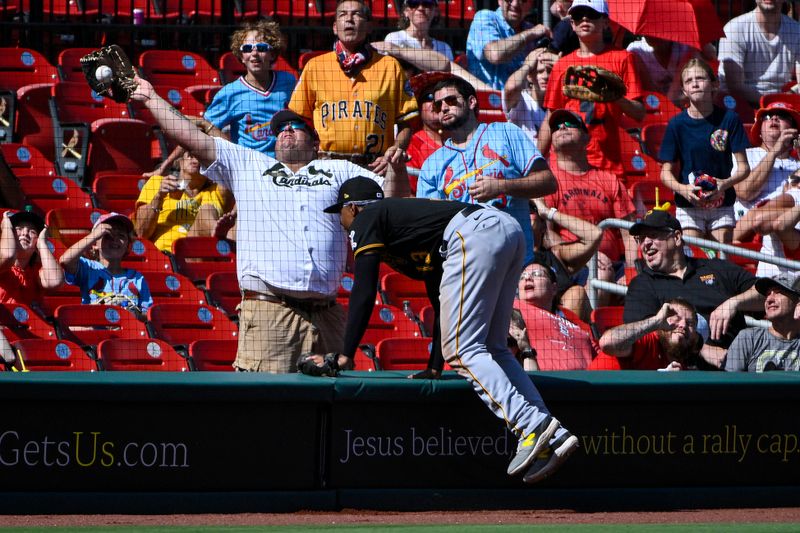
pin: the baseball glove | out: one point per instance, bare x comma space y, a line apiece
119, 86
329, 368
593, 84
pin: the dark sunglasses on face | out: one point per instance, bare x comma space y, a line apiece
414, 4
294, 125
451, 100
780, 116
568, 125
258, 47
580, 14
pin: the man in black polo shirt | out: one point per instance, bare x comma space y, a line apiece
718, 289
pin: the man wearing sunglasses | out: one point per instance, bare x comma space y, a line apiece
493, 164
718, 289
290, 255
247, 104
499, 41
589, 19
356, 96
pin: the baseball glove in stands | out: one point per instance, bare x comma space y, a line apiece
593, 84
118, 84
329, 368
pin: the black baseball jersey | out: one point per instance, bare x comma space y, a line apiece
406, 232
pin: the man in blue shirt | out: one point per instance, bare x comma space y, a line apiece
492, 164
499, 41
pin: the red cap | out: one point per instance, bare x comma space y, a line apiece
783, 107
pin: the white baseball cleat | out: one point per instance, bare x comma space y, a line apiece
551, 459
531, 445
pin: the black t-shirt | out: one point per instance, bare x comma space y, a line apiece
406, 232
706, 284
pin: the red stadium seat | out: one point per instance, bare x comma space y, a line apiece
77, 102
169, 287
457, 13
87, 325
123, 146
399, 288
35, 355
66, 294
383, 11
230, 68
69, 64
26, 160
23, 66
213, 354
33, 124
53, 192
71, 225
633, 161
140, 355
145, 257
305, 57
18, 321
186, 323
196, 11
410, 353
644, 194
177, 96
652, 136
291, 12
604, 318
748, 264
199, 257
223, 291
490, 106
387, 322
117, 192
741, 107
178, 68
427, 315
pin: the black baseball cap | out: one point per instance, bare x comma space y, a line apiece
565, 115
356, 189
786, 281
287, 115
656, 219
27, 215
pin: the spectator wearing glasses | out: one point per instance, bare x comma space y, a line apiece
430, 136
523, 94
718, 289
589, 19
777, 347
416, 19
776, 219
589, 193
290, 255
499, 41
772, 158
247, 104
492, 164
356, 96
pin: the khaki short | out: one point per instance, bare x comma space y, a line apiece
272, 336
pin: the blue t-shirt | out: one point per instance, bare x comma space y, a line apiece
704, 146
96, 282
500, 150
249, 111
489, 26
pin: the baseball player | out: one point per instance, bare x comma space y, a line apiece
492, 164
290, 255
356, 96
477, 253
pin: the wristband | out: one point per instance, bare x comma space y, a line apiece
551, 213
530, 353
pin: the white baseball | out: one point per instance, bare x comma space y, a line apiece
103, 74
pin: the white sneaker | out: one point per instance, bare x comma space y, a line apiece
551, 459
531, 445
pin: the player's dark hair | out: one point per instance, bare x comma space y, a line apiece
365, 10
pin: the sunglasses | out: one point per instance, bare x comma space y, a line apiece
580, 14
451, 100
414, 4
258, 47
533, 274
779, 116
567, 125
293, 125
654, 236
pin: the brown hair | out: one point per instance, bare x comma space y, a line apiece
701, 64
267, 30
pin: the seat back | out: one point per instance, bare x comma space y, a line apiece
305, 57
199, 257
410, 353
183, 323
124, 146
146, 258
18, 321
399, 288
213, 354
51, 355
606, 317
24, 66
69, 225
69, 64
87, 325
140, 355
77, 102
66, 294
224, 292
387, 322
53, 192
117, 192
185, 103
169, 287
26, 160
177, 68
34, 125
490, 106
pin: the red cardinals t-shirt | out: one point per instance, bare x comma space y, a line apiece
646, 355
602, 119
560, 344
594, 196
